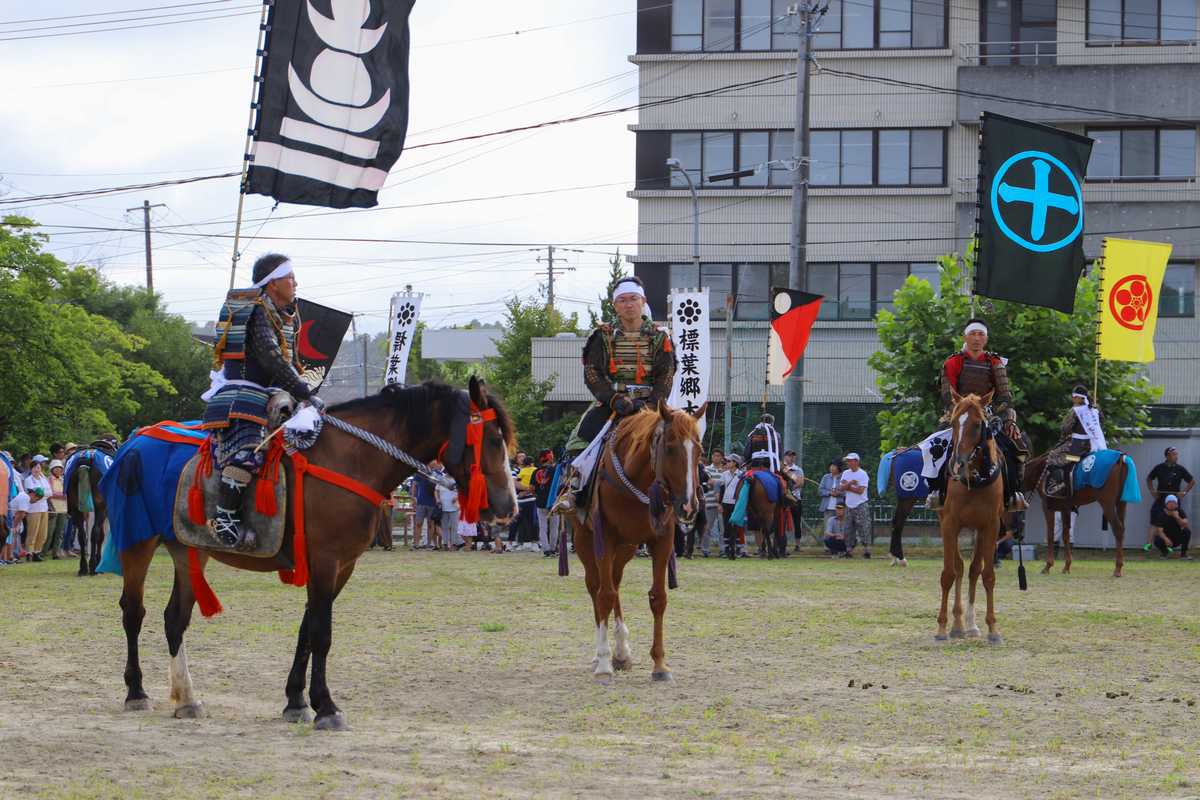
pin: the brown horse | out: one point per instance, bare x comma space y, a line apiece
974, 499
339, 526
645, 481
1108, 496
83, 498
763, 516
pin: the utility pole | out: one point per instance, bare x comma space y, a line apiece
729, 309
354, 336
145, 208
549, 273
806, 12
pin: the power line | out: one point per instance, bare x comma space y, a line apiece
112, 13
17, 201
126, 27
127, 19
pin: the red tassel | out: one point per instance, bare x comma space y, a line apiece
299, 575
210, 606
196, 513
264, 497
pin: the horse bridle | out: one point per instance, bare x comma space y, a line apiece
659, 496
985, 435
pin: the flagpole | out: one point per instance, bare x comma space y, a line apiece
1099, 319
259, 58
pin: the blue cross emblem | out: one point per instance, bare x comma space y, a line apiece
1040, 199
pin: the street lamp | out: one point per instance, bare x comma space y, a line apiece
673, 163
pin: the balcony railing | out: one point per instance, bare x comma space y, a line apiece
1079, 51
1126, 187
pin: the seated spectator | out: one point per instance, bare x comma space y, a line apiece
1176, 532
835, 532
1004, 546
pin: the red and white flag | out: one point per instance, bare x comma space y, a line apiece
792, 316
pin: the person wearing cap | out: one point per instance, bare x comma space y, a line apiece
855, 483
37, 486
1081, 434
627, 366
1173, 530
975, 370
735, 537
543, 483
58, 510
254, 355
1167, 478
795, 475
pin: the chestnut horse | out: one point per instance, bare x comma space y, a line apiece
339, 526
974, 499
645, 482
1108, 496
763, 516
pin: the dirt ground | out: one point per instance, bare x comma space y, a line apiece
467, 675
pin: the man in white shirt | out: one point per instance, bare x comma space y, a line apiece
856, 484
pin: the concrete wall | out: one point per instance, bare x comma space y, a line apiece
1146, 454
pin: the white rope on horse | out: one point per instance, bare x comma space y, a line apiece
388, 448
620, 470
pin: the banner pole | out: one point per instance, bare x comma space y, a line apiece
259, 58
1099, 320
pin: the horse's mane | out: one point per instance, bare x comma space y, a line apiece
635, 433
972, 400
415, 405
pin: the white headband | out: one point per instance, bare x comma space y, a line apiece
975, 326
1080, 396
1171, 499
632, 287
281, 271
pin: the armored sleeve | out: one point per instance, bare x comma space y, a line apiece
595, 368
1003, 398
1068, 424
663, 375
950, 371
263, 347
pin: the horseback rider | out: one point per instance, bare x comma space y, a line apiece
627, 367
975, 370
764, 450
1081, 434
255, 356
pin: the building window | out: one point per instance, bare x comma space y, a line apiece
1177, 297
882, 24
878, 158
858, 291
1140, 21
723, 25
1142, 154
750, 284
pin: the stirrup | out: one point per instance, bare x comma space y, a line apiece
226, 526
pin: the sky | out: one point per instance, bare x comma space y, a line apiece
87, 108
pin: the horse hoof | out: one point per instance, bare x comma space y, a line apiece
603, 678
81, 574
302, 714
139, 704
332, 722
955, 633
622, 664
941, 637
190, 711
974, 633
995, 638
1066, 570
1046, 570
899, 562
1116, 573
661, 677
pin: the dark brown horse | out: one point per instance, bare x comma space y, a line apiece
83, 498
339, 526
974, 500
645, 482
1108, 496
763, 516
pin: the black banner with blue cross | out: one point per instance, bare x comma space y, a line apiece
1030, 223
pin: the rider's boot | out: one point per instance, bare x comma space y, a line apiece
227, 523
1018, 501
565, 504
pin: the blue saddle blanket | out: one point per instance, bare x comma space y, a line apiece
1093, 471
100, 464
906, 477
770, 482
139, 489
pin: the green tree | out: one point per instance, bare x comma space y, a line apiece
608, 314
1048, 352
69, 373
510, 371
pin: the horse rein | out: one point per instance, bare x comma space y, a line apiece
657, 457
985, 435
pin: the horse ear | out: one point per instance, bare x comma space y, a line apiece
987, 398
478, 391
955, 397
701, 411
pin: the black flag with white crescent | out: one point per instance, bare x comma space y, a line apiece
333, 101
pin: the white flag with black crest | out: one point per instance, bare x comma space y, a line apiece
405, 309
333, 101
693, 357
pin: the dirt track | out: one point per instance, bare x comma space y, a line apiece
442, 704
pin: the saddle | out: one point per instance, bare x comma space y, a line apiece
264, 505
1058, 480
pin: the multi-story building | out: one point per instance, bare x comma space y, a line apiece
897, 90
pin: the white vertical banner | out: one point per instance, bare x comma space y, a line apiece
693, 353
402, 326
